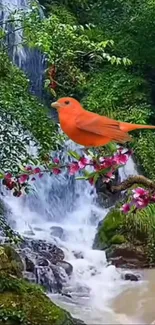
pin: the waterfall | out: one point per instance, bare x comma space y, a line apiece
60, 201
31, 61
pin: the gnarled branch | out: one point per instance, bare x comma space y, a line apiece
128, 183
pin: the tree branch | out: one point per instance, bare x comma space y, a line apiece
128, 183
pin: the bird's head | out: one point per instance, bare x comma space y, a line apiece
66, 102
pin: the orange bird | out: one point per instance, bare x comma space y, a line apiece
90, 129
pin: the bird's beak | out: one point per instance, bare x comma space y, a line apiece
55, 105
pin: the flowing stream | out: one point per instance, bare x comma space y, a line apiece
97, 290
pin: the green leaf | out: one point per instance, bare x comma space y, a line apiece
80, 178
2, 175
74, 154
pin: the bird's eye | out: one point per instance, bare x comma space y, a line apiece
67, 102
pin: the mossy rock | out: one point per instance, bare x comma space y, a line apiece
127, 255
118, 239
24, 303
10, 261
132, 234
109, 229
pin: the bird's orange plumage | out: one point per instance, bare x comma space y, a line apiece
90, 129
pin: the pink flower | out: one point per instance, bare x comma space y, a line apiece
28, 168
91, 181
37, 170
8, 176
56, 171
109, 162
83, 162
139, 192
142, 203
23, 178
109, 176
125, 208
73, 168
121, 159
56, 160
104, 163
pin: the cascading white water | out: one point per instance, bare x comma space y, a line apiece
62, 201
129, 169
31, 61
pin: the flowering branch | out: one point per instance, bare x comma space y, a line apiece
91, 169
128, 183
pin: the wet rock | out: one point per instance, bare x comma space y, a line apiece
41, 247
45, 277
57, 254
59, 273
30, 267
78, 255
57, 232
42, 262
29, 276
66, 266
105, 197
29, 233
93, 270
38, 229
45, 262
127, 256
130, 277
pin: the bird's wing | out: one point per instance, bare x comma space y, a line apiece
101, 125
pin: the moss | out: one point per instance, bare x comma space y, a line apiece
27, 304
110, 226
135, 228
118, 239
10, 261
22, 302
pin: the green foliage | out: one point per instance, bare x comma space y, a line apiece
121, 95
136, 228
118, 93
7, 231
144, 147
26, 304
66, 43
23, 118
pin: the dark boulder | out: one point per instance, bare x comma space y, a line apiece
130, 277
66, 266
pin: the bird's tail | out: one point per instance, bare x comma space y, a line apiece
126, 127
